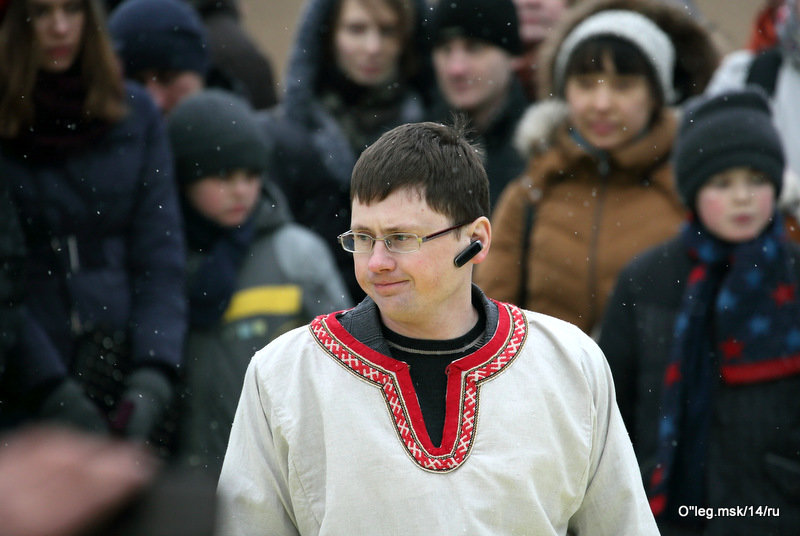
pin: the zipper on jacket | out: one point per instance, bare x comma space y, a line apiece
74, 258
74, 261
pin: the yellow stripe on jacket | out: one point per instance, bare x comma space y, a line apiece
265, 300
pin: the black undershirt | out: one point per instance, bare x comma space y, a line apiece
427, 360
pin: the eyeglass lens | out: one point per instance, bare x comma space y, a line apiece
397, 242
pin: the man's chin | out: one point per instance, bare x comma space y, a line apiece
462, 101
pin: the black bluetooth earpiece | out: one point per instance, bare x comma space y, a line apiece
468, 252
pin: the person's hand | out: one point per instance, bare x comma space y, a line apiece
56, 482
68, 404
143, 403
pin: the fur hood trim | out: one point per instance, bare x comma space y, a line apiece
536, 129
537, 126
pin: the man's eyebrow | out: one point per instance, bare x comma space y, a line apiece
402, 228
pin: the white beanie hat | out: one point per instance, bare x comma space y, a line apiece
631, 26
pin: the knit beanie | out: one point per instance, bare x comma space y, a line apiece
494, 21
730, 129
214, 132
163, 35
635, 28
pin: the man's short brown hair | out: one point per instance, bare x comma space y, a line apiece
436, 160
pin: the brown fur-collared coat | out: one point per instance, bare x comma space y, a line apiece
587, 215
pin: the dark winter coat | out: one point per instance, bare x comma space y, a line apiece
288, 277
313, 158
755, 433
12, 282
234, 53
105, 246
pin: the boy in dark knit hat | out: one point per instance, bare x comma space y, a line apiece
252, 273
720, 134
703, 332
474, 46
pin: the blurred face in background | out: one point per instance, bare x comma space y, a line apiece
609, 109
537, 18
169, 88
58, 30
737, 204
367, 42
226, 200
473, 76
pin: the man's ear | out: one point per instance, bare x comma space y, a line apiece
481, 229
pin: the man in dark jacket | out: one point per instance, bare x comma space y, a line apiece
167, 47
474, 44
164, 46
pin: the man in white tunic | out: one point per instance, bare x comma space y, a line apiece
428, 408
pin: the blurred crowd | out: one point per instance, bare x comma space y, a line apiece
166, 212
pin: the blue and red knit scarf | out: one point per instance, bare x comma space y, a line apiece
739, 321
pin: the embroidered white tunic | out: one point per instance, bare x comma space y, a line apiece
329, 439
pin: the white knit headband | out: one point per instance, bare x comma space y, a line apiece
640, 31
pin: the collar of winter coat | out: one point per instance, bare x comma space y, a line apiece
272, 210
696, 56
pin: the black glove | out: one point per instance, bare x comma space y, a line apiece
67, 403
143, 403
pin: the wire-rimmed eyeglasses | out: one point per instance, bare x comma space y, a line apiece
395, 242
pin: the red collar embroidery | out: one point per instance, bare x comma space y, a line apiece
464, 379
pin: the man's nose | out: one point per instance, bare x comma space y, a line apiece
157, 93
380, 258
457, 63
